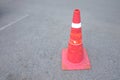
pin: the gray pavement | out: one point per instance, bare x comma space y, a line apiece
34, 32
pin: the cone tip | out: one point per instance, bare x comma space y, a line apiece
76, 16
76, 10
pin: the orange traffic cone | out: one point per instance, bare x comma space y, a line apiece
75, 56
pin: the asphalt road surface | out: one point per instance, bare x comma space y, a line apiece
34, 32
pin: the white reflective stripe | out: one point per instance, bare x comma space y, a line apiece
74, 25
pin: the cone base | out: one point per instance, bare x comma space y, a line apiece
67, 65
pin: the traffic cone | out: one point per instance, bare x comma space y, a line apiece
75, 56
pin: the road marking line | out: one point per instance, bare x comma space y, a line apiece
12, 23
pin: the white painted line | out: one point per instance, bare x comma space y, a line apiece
75, 25
12, 23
